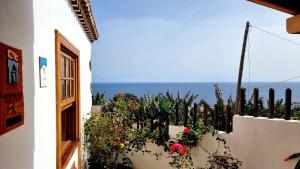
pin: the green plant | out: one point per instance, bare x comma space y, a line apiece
111, 135
191, 136
279, 108
104, 142
108, 141
218, 94
296, 115
99, 99
224, 160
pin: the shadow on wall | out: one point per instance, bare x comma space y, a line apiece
17, 30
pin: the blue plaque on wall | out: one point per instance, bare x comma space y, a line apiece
43, 71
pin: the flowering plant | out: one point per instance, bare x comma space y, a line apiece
186, 130
191, 136
181, 157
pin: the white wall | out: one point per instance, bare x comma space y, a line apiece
263, 143
16, 29
48, 16
29, 25
148, 161
260, 143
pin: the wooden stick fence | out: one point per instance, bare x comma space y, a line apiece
221, 117
287, 105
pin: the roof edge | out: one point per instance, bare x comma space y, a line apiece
83, 11
274, 6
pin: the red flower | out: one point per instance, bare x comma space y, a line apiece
186, 130
182, 152
185, 147
178, 146
175, 147
172, 148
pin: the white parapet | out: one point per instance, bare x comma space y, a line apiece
260, 143
263, 143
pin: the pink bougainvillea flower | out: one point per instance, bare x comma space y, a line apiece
186, 130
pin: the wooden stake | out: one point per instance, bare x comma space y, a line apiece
177, 114
195, 114
186, 109
255, 102
241, 102
288, 103
271, 103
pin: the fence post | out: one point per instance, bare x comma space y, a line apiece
215, 116
241, 102
255, 102
228, 119
159, 124
186, 109
195, 114
152, 124
168, 123
143, 122
138, 121
177, 113
205, 114
271, 103
288, 103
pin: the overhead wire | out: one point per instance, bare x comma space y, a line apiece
277, 83
248, 53
275, 35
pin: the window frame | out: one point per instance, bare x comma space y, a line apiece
64, 153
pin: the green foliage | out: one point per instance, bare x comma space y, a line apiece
102, 143
279, 108
191, 138
296, 115
107, 141
195, 134
99, 99
219, 98
110, 135
224, 160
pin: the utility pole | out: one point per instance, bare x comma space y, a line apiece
239, 83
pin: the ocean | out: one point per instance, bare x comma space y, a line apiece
205, 90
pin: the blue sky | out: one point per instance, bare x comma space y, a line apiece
189, 41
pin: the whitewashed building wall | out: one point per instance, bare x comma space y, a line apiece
29, 25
